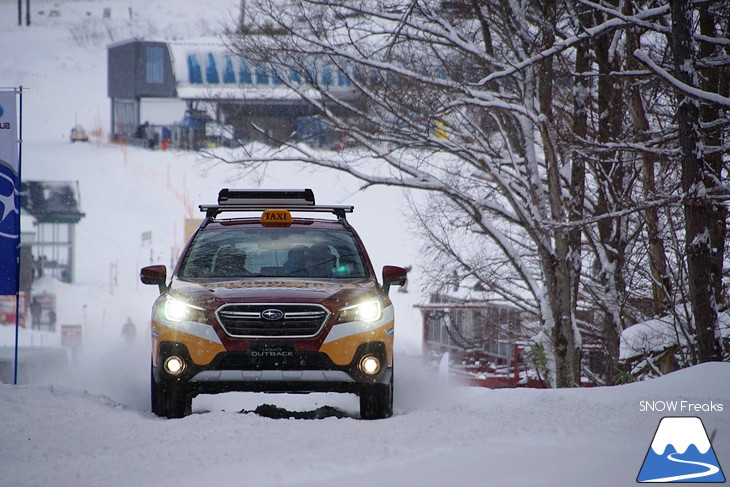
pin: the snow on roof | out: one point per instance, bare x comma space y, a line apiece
52, 200
659, 334
646, 337
187, 91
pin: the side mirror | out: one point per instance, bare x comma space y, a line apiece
393, 275
154, 274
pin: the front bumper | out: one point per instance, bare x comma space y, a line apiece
282, 372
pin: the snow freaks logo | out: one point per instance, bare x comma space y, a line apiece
680, 452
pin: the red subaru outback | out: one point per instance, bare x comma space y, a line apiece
276, 302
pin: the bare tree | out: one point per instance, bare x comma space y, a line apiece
510, 115
483, 74
701, 120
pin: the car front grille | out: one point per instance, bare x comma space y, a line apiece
285, 320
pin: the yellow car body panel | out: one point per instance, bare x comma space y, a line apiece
202, 350
342, 351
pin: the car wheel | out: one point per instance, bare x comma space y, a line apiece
376, 401
170, 399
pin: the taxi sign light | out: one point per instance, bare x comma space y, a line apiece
276, 218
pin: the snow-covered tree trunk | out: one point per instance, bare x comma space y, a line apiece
610, 169
714, 80
565, 338
698, 210
578, 159
661, 285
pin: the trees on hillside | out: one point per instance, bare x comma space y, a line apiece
556, 139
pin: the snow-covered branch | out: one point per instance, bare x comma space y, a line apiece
683, 87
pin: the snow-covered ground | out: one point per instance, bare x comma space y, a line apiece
441, 435
89, 424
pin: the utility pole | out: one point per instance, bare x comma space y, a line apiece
20, 12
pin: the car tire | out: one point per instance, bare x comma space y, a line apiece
376, 401
169, 398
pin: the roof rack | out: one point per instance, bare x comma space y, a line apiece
262, 200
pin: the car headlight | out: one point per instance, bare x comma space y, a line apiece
366, 312
177, 310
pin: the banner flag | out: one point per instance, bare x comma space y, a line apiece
9, 194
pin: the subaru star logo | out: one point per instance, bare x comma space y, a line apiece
272, 314
7, 200
2, 111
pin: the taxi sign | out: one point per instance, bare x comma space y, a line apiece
276, 218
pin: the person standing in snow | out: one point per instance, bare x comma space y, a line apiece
129, 331
165, 138
35, 313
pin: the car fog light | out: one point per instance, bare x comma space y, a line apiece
174, 365
370, 365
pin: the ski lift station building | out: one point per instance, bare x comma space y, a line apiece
172, 83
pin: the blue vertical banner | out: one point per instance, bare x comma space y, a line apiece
9, 193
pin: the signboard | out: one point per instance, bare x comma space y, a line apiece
191, 224
43, 311
7, 310
71, 335
9, 194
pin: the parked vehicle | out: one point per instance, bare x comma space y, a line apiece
78, 134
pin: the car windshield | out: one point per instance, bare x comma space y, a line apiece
273, 252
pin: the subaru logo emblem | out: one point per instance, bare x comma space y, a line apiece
272, 314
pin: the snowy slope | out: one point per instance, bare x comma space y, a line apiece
89, 424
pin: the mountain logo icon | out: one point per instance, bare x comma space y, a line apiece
681, 452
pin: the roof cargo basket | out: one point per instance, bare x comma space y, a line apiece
261, 197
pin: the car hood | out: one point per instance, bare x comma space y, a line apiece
331, 293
